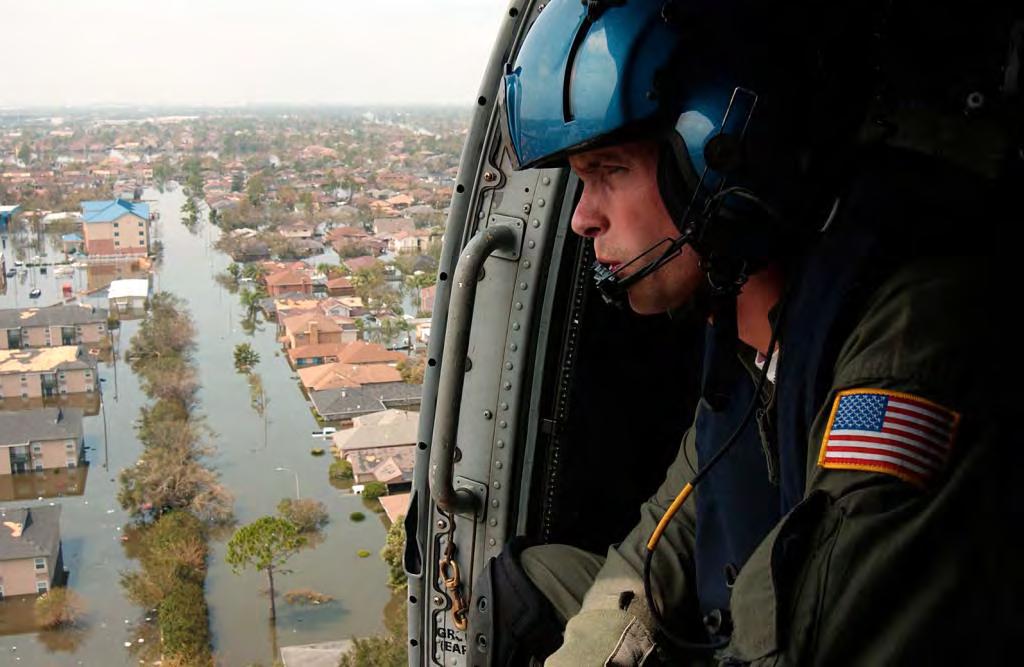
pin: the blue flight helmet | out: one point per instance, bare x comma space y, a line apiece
590, 74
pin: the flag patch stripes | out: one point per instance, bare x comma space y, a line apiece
890, 432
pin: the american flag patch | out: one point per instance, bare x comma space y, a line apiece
888, 432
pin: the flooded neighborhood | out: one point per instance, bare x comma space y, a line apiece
299, 279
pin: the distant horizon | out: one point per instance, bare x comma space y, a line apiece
246, 53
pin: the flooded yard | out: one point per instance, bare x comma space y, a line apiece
92, 523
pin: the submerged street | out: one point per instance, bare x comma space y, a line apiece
92, 522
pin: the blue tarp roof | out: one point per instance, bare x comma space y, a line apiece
70, 237
109, 210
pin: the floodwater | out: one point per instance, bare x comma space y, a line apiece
92, 522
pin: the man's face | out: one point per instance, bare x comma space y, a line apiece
622, 211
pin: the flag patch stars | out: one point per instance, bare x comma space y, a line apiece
888, 432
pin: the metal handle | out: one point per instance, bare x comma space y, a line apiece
453, 367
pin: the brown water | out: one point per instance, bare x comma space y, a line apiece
92, 522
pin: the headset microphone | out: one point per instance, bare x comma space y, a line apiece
613, 288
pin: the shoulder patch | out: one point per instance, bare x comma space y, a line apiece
888, 432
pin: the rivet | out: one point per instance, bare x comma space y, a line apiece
495, 503
522, 286
508, 385
541, 202
512, 347
536, 223
504, 406
519, 305
508, 365
493, 522
488, 414
526, 264
546, 180
503, 424
438, 600
532, 243
526, 208
492, 541
441, 525
496, 485
489, 176
480, 215
498, 465
515, 326
501, 444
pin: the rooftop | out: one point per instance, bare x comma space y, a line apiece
19, 428
344, 376
108, 210
29, 532
14, 318
129, 287
43, 359
390, 428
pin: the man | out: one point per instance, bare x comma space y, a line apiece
855, 473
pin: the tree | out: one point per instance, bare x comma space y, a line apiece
412, 369
392, 553
234, 270
374, 490
237, 181
245, 357
58, 607
307, 514
170, 475
167, 330
24, 153
254, 271
256, 190
266, 544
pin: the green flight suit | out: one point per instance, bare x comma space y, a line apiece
868, 568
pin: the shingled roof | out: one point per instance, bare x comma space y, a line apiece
18, 428
37, 530
70, 315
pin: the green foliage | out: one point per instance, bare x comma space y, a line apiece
59, 607
307, 514
167, 330
374, 490
394, 547
173, 552
256, 190
266, 544
341, 469
357, 516
245, 357
412, 369
363, 553
184, 625
388, 650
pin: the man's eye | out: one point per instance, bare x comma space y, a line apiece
612, 169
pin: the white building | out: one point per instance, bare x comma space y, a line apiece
130, 294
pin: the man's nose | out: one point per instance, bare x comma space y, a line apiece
588, 220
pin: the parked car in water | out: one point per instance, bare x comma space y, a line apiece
35, 294
325, 432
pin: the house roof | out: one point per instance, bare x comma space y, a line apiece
43, 359
344, 376
129, 287
347, 403
315, 351
396, 506
390, 428
108, 210
288, 277
389, 465
300, 323
361, 352
19, 428
340, 282
361, 262
39, 529
71, 238
13, 318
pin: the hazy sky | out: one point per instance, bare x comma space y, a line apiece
217, 52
